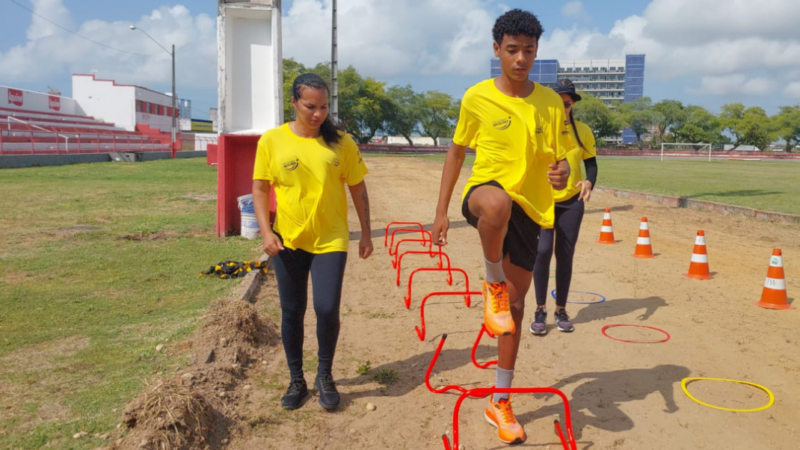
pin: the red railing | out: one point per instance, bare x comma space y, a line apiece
77, 143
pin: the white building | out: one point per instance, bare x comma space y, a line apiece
21, 100
124, 105
604, 79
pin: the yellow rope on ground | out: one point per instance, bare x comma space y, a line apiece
234, 269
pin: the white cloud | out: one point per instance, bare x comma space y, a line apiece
746, 48
575, 10
736, 84
51, 51
792, 89
386, 39
749, 47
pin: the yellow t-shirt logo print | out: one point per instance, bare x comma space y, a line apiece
291, 165
502, 124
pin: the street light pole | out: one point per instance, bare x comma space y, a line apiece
334, 67
174, 97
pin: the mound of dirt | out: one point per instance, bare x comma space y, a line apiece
195, 408
169, 416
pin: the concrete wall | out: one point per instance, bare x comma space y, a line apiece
250, 79
105, 100
116, 103
21, 161
21, 99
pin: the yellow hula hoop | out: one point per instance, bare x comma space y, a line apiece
686, 381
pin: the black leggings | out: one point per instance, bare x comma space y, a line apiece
569, 215
292, 268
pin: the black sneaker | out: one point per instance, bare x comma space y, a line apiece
328, 395
539, 319
562, 321
295, 395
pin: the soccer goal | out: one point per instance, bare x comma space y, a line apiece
681, 146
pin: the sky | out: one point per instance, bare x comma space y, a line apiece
702, 52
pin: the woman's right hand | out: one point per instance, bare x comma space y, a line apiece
272, 244
439, 231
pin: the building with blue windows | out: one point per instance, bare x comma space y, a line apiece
609, 80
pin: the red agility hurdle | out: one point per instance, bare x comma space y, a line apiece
421, 331
424, 241
449, 280
424, 233
567, 443
475, 349
440, 254
391, 224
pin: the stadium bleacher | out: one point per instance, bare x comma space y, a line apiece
24, 132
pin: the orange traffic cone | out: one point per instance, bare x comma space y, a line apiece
607, 231
643, 247
698, 269
774, 294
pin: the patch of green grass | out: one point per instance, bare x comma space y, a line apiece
120, 289
766, 185
364, 368
386, 377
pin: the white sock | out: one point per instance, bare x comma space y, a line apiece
494, 271
503, 379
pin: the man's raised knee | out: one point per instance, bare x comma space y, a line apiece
495, 206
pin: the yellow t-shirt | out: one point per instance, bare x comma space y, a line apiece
309, 177
515, 139
575, 156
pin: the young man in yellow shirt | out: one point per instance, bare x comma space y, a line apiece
518, 130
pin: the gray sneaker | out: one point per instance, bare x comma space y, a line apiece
561, 319
539, 319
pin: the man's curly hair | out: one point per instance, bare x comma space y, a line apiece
516, 22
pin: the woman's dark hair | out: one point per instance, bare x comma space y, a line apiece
566, 82
328, 131
516, 22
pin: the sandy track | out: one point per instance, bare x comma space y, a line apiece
622, 395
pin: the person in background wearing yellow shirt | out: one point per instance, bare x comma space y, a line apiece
517, 127
569, 214
308, 162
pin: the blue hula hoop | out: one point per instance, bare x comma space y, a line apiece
602, 298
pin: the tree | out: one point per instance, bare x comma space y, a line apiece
757, 128
749, 126
638, 116
371, 109
697, 125
787, 123
603, 121
437, 115
291, 70
666, 113
402, 117
731, 117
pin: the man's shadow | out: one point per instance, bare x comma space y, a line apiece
620, 307
596, 401
411, 373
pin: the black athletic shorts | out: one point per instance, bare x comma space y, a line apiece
522, 239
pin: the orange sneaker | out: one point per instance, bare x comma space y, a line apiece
496, 311
500, 415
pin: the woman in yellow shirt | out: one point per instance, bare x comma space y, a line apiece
308, 162
569, 209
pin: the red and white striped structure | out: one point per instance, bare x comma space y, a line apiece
699, 268
643, 247
607, 230
774, 294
